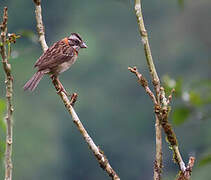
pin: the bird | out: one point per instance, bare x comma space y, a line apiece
56, 59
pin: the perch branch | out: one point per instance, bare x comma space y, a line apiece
102, 160
9, 94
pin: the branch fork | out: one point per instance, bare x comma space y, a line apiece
143, 83
161, 103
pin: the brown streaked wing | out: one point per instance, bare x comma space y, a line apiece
57, 54
46, 56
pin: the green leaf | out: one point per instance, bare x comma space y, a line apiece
202, 83
2, 106
2, 125
2, 110
180, 115
29, 34
2, 149
181, 3
2, 128
205, 160
195, 98
178, 87
170, 84
208, 99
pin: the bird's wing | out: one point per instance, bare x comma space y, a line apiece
58, 53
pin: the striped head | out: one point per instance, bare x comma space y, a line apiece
76, 41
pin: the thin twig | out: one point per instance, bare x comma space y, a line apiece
73, 99
158, 160
9, 94
40, 25
102, 160
156, 83
187, 173
143, 82
147, 49
161, 107
170, 96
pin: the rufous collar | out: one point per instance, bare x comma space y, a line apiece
65, 40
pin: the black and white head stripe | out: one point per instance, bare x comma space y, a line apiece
76, 41
75, 36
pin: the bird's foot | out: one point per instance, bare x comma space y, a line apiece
59, 85
73, 99
61, 89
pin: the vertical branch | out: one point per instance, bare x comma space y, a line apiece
147, 49
156, 83
158, 155
9, 94
98, 153
161, 105
40, 26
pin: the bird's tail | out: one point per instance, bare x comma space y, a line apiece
34, 81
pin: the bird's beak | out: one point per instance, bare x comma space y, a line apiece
83, 45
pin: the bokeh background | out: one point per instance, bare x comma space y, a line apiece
112, 106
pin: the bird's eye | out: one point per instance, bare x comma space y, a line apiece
76, 42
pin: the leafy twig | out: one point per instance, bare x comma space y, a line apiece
102, 160
9, 94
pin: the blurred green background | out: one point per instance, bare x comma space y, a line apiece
112, 106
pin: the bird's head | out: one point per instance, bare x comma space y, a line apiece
76, 41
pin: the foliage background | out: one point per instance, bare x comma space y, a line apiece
113, 107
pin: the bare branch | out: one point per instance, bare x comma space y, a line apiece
40, 26
143, 82
147, 49
170, 96
162, 106
156, 83
102, 160
9, 94
73, 99
187, 173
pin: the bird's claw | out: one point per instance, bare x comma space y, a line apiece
61, 89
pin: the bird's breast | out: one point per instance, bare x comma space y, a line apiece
66, 65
